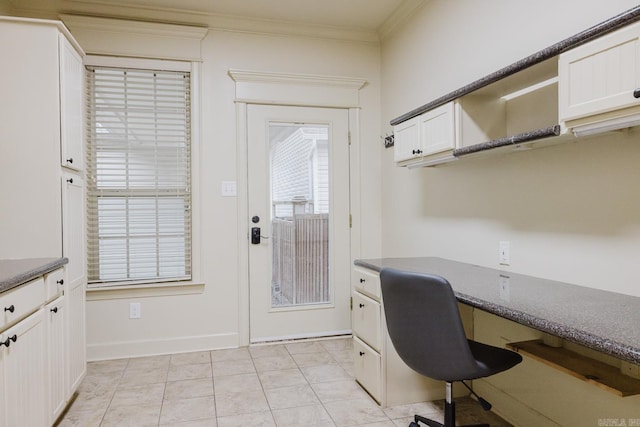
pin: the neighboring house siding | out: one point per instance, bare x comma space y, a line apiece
299, 167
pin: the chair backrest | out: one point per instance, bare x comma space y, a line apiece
424, 325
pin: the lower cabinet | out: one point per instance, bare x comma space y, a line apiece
377, 366
55, 313
76, 337
23, 373
42, 352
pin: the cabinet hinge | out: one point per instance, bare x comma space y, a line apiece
349, 137
350, 221
351, 303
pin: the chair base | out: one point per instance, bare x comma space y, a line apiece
449, 412
432, 423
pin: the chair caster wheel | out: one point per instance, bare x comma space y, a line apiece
413, 424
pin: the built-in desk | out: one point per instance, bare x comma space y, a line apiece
604, 321
599, 328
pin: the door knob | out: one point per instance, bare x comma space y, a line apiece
636, 93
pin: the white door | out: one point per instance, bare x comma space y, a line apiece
299, 257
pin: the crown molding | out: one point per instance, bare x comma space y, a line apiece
121, 37
220, 22
400, 16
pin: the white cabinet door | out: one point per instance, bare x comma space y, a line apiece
76, 339
75, 282
73, 241
23, 376
600, 76
437, 130
55, 313
407, 140
366, 321
71, 105
367, 368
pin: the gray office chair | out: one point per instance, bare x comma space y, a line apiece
426, 330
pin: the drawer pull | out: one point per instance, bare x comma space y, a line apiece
7, 342
416, 151
636, 93
10, 309
362, 280
361, 305
70, 160
54, 310
60, 282
70, 180
362, 353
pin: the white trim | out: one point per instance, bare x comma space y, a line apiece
289, 89
174, 345
243, 224
399, 17
261, 87
143, 291
58, 24
141, 63
330, 334
119, 37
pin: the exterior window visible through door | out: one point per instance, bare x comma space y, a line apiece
299, 156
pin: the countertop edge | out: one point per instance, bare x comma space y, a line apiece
39, 267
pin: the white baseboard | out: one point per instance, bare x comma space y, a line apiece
127, 349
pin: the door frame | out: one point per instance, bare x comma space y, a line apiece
286, 89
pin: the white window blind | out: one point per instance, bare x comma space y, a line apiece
138, 187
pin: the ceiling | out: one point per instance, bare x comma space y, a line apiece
371, 16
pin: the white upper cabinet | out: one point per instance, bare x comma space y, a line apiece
429, 134
71, 106
437, 130
600, 77
407, 140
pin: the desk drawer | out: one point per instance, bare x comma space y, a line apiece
19, 302
367, 282
54, 283
366, 320
367, 368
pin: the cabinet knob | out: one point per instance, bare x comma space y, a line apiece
362, 280
636, 93
70, 160
416, 151
361, 305
10, 309
70, 180
54, 310
362, 353
60, 282
7, 342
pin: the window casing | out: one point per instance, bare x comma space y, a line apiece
139, 175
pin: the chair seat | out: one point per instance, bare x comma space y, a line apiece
491, 360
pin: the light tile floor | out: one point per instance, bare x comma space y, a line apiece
307, 383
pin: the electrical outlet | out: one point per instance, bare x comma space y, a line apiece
504, 252
134, 310
505, 288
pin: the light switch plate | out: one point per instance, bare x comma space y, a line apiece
229, 189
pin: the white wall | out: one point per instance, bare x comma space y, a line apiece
570, 212
208, 318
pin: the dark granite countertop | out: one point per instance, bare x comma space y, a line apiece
601, 320
14, 272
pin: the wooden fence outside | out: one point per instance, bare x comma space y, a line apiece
300, 269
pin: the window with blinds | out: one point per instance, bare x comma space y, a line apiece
139, 177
